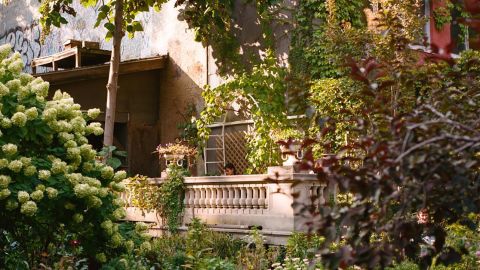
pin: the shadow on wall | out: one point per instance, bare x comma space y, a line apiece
177, 90
18, 27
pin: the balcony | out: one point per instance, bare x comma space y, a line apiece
236, 204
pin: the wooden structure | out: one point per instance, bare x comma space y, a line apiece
76, 54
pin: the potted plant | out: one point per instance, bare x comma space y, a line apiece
177, 152
290, 141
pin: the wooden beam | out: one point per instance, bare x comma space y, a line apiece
101, 71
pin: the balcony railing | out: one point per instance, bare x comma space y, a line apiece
236, 204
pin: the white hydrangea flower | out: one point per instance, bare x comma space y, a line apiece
92, 182
77, 218
31, 113
93, 113
82, 190
30, 170
15, 165
141, 227
9, 149
26, 161
29, 208
87, 167
119, 187
116, 240
78, 123
119, 213
49, 114
6, 123
4, 193
107, 172
25, 78
11, 205
16, 66
74, 178
51, 192
145, 247
119, 176
23, 196
20, 108
3, 163
37, 195
107, 226
14, 85
70, 144
129, 245
5, 181
102, 192
19, 119
44, 174
5, 51
94, 202
73, 153
41, 89
40, 187
118, 202
59, 167
3, 90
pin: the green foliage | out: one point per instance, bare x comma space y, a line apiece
112, 156
310, 54
52, 189
166, 199
216, 25
261, 95
301, 245
170, 199
442, 16
52, 12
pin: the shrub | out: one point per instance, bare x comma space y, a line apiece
50, 183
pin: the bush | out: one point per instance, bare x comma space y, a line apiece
52, 190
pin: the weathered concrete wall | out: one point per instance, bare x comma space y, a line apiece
181, 81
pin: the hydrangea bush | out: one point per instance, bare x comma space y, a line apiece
49, 178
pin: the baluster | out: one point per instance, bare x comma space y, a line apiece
201, 202
218, 200
186, 199
230, 197
196, 201
255, 197
224, 197
208, 196
249, 200
236, 198
243, 197
213, 196
262, 198
191, 197
265, 196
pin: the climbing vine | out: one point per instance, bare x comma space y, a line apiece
166, 199
260, 95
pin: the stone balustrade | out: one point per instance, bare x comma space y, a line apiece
237, 203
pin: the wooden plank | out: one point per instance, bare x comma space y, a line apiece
101, 71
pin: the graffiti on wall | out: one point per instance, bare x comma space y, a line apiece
25, 40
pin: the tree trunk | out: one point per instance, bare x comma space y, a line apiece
112, 84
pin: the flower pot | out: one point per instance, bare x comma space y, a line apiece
174, 158
291, 154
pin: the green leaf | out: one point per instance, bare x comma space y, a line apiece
114, 162
137, 26
110, 26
